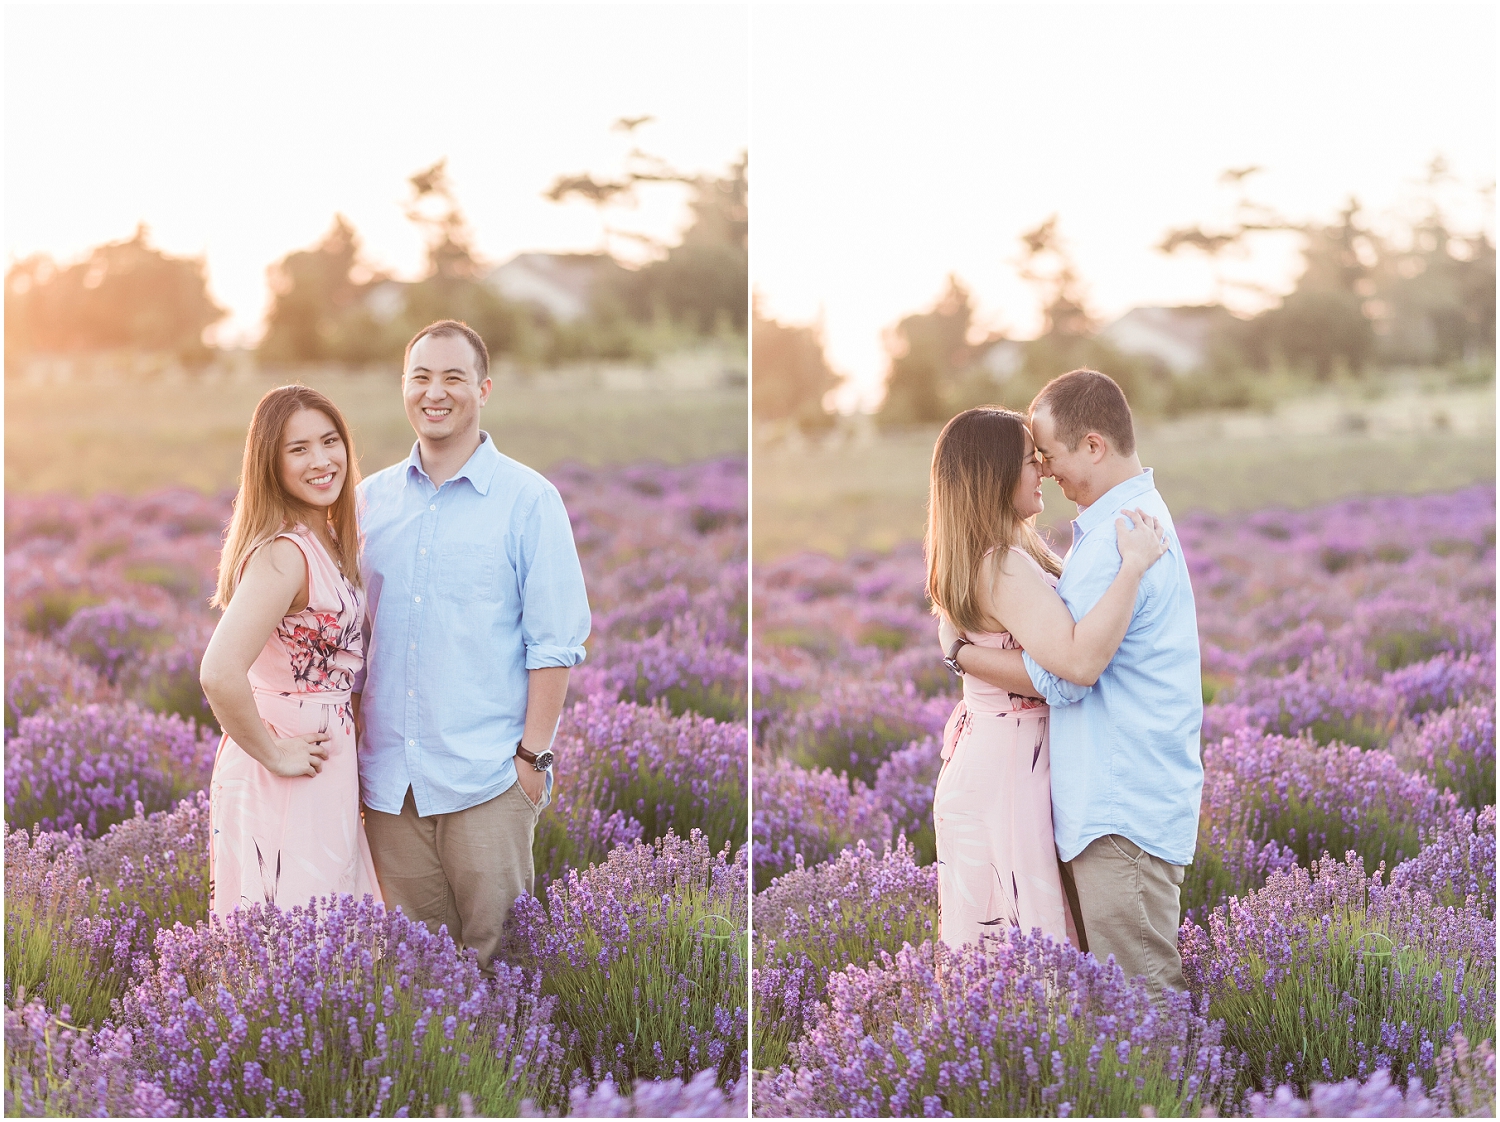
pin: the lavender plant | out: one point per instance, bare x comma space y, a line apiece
855, 727
39, 675
813, 922
625, 773
335, 1009
811, 814
1269, 801
1329, 974
646, 955
156, 863
63, 943
698, 1097
89, 766
1456, 865
1018, 1025
904, 789
53, 1069
1465, 1089
1455, 749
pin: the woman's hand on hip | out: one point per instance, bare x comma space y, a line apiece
300, 755
1140, 538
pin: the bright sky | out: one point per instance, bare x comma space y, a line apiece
893, 145
237, 131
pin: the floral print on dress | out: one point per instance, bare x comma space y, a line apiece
319, 645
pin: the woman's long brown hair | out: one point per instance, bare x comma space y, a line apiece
971, 510
263, 509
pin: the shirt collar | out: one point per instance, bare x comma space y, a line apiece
1109, 504
478, 469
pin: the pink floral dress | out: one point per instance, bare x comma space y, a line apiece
997, 860
286, 841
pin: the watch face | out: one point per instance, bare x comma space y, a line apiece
543, 760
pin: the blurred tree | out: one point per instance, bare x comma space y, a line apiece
434, 210
929, 353
1047, 266
330, 307
318, 311
1437, 293
1420, 295
792, 374
702, 283
124, 295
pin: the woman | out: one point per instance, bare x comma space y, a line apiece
993, 582
284, 797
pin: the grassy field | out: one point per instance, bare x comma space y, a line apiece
871, 493
92, 436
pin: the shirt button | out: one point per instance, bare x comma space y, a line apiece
419, 599
411, 693
413, 646
423, 551
411, 743
433, 507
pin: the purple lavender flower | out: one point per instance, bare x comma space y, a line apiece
108, 635
1017, 1025
90, 766
158, 863
1269, 802
65, 942
699, 1097
904, 790
39, 675
1466, 1079
812, 922
627, 773
1454, 748
232, 1013
1329, 975
812, 815
55, 1069
1465, 1089
646, 954
1375, 1097
1456, 865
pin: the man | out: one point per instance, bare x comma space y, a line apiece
476, 612
1127, 774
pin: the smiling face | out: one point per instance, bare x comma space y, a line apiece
1028, 494
1072, 468
314, 459
442, 390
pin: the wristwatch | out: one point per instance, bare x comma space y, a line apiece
541, 761
951, 662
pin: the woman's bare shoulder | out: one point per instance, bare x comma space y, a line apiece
278, 560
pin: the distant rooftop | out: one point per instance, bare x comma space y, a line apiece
560, 283
1179, 337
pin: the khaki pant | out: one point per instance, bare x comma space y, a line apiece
463, 869
1132, 905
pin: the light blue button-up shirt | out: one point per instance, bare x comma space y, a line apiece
469, 586
1125, 754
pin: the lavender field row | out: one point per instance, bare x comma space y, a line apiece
624, 983
1339, 916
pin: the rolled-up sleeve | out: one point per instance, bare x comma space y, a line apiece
555, 617
1058, 691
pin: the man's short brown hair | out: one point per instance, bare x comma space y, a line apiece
1085, 401
454, 328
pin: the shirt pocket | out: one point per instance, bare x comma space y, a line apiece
469, 572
